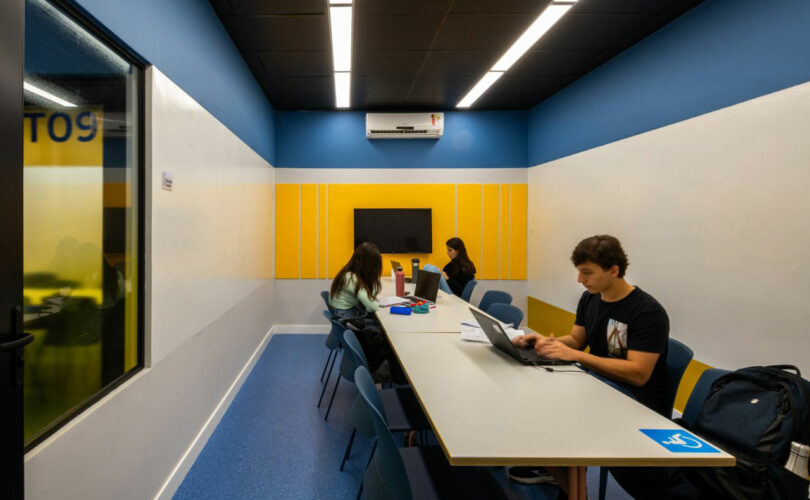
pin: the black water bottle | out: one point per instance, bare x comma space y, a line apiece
414, 269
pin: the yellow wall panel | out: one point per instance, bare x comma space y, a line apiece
490, 233
309, 230
468, 221
344, 198
322, 247
517, 231
504, 233
288, 211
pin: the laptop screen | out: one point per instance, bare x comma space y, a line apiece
427, 285
395, 265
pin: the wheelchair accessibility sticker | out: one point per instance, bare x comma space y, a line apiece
679, 441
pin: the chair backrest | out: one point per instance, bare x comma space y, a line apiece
325, 297
385, 476
335, 337
468, 290
506, 313
492, 297
355, 349
699, 394
350, 362
678, 358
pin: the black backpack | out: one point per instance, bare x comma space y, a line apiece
754, 414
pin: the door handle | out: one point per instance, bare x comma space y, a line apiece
23, 341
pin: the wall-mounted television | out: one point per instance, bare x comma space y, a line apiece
395, 230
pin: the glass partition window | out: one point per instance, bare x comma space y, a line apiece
80, 260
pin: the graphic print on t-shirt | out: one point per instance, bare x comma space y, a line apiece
617, 338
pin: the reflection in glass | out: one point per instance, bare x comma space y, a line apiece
80, 215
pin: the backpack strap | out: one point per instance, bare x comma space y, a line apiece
786, 368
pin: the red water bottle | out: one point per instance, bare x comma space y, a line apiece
400, 282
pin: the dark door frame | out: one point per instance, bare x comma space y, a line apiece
12, 40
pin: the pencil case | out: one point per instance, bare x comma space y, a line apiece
401, 310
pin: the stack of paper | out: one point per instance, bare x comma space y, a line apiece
392, 301
475, 334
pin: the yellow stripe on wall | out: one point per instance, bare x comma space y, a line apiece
309, 230
322, 205
517, 232
504, 236
490, 234
288, 250
468, 207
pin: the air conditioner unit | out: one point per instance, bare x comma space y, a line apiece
404, 125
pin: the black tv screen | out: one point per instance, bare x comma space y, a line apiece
395, 230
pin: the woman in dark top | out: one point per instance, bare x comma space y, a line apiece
460, 270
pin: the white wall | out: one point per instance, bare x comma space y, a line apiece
209, 283
713, 214
298, 307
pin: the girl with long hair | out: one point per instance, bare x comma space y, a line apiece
460, 270
355, 287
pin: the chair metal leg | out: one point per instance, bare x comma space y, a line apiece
603, 477
348, 449
373, 449
331, 351
333, 398
327, 380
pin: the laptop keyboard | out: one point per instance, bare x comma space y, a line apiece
529, 354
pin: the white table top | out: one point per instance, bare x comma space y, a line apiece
488, 409
450, 311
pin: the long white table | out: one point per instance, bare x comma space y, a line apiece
488, 409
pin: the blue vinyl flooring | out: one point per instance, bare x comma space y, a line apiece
273, 442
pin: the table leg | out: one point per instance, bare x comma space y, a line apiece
576, 483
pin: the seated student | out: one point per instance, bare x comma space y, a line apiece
353, 295
626, 329
460, 270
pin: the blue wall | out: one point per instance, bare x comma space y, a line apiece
186, 41
338, 139
718, 54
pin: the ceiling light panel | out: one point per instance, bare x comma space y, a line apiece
341, 21
538, 28
47, 95
343, 83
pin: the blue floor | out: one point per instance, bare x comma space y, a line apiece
273, 442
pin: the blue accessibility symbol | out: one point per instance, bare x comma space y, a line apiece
679, 441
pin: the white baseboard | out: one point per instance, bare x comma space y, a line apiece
322, 329
187, 460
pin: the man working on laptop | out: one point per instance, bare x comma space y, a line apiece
626, 329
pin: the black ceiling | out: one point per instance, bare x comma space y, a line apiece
426, 54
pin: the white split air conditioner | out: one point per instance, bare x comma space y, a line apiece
404, 125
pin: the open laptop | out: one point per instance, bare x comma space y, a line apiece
427, 287
396, 265
499, 338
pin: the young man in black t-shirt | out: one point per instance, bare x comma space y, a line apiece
626, 329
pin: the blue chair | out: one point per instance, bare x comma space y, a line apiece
699, 394
348, 364
468, 290
400, 406
492, 297
506, 313
325, 297
678, 358
423, 473
334, 342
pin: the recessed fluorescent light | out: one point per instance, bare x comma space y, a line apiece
47, 95
340, 2
539, 27
341, 20
483, 84
343, 82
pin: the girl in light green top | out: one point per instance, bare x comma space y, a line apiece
354, 290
